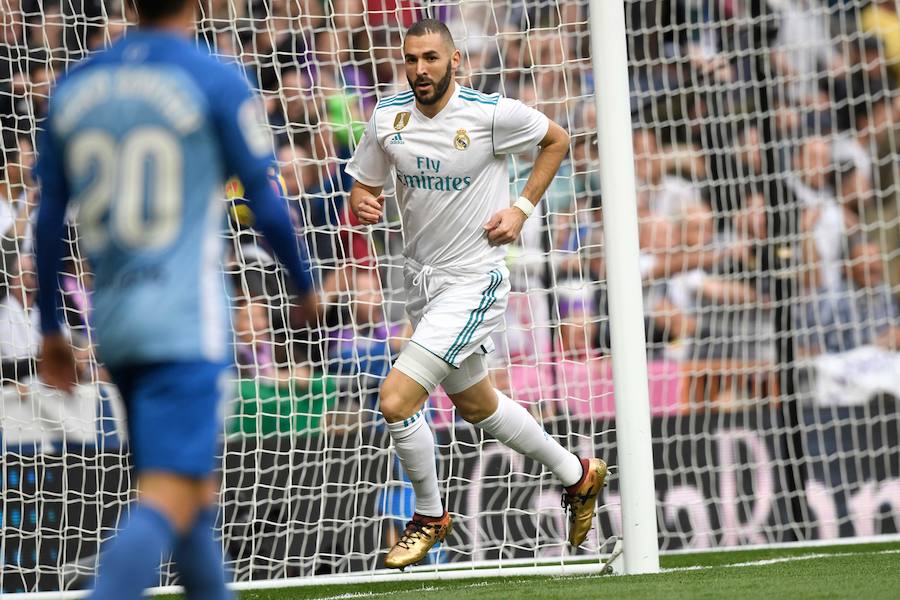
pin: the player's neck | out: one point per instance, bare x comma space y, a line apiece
432, 110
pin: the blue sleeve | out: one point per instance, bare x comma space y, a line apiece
247, 149
50, 228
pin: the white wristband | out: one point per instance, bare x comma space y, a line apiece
525, 205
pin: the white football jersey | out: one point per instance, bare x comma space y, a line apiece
450, 171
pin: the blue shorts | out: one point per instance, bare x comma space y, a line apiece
174, 414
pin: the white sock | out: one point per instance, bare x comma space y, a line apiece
414, 444
514, 427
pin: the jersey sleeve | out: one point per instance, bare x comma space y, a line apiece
241, 123
51, 225
370, 164
517, 127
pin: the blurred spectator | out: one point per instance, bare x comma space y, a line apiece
19, 326
112, 28
365, 345
824, 222
577, 323
853, 188
388, 62
9, 195
39, 78
295, 108
317, 209
860, 312
344, 69
666, 194
805, 50
253, 345
880, 18
273, 399
396, 13
728, 302
17, 194
51, 35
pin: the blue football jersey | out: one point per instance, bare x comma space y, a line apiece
137, 144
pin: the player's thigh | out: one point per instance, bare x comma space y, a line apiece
460, 320
175, 415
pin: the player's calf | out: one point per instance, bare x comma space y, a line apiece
198, 558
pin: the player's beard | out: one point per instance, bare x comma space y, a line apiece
439, 90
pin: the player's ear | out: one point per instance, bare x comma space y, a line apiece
456, 59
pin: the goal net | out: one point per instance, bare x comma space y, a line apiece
765, 136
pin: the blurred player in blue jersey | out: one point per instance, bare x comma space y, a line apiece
141, 139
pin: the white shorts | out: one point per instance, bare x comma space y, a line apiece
453, 315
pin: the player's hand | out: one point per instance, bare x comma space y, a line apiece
57, 364
505, 226
368, 209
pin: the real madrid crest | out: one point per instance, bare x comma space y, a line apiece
461, 141
401, 120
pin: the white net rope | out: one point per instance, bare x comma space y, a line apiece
764, 135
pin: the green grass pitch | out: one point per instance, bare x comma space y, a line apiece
870, 571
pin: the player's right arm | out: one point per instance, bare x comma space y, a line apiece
247, 146
369, 168
518, 128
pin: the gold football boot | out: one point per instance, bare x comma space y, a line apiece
420, 535
580, 499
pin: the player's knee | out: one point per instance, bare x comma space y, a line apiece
178, 498
394, 406
415, 375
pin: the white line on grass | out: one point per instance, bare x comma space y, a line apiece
354, 595
471, 573
478, 584
775, 561
752, 563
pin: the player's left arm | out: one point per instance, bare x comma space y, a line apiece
57, 363
515, 130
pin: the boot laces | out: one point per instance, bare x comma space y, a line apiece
414, 531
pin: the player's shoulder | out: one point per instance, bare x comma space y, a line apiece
470, 96
80, 70
208, 72
396, 100
389, 108
477, 107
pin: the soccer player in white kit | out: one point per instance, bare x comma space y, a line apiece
448, 147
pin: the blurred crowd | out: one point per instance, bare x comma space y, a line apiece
765, 137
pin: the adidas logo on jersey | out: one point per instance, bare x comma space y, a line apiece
397, 139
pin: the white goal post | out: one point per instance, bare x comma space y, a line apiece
706, 297
626, 307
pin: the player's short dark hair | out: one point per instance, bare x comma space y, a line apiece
152, 10
426, 26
